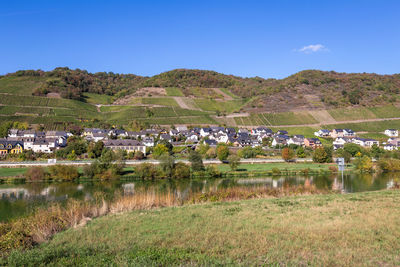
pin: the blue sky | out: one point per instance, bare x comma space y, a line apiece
245, 38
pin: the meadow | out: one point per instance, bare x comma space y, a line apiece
359, 229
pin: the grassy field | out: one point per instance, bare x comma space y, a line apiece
7, 172
281, 166
360, 113
98, 99
374, 126
359, 229
173, 91
271, 119
21, 85
221, 106
163, 101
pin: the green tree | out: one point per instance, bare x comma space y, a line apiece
351, 148
234, 162
167, 164
341, 153
95, 149
196, 161
320, 155
222, 152
202, 149
376, 151
363, 164
159, 150
301, 153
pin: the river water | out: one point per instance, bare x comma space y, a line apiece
17, 200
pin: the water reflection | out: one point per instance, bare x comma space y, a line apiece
18, 200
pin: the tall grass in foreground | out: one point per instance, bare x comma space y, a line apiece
24, 233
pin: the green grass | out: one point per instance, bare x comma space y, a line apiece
373, 126
270, 166
271, 119
360, 113
359, 229
174, 91
98, 99
21, 85
226, 91
162, 101
220, 106
7, 172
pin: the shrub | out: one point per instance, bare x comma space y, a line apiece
333, 168
139, 155
146, 171
276, 171
35, 173
212, 171
363, 164
181, 171
387, 165
63, 172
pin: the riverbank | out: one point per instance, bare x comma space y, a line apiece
244, 170
359, 229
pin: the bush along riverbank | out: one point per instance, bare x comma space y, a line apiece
40, 226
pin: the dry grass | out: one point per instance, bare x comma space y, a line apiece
44, 223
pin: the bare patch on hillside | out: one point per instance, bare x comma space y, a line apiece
150, 91
53, 95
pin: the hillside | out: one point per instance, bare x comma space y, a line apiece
307, 100
310, 89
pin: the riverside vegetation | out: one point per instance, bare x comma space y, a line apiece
358, 229
38, 227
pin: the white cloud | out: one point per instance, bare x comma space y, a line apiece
312, 49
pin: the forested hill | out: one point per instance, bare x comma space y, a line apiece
303, 89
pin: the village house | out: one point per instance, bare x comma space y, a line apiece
365, 142
262, 131
312, 142
10, 147
391, 132
125, 144
394, 141
148, 141
210, 142
280, 140
192, 138
322, 133
45, 145
205, 132
296, 140
389, 147
340, 141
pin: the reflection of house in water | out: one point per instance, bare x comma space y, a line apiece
14, 193
273, 182
129, 189
19, 193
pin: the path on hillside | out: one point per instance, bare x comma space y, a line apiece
322, 115
225, 95
183, 104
